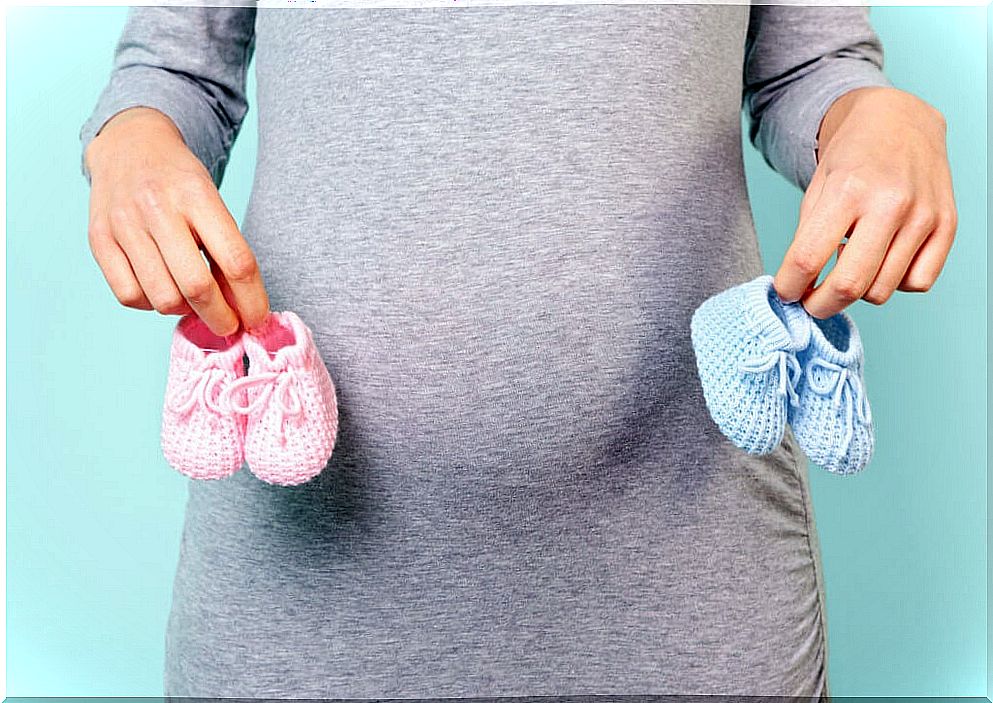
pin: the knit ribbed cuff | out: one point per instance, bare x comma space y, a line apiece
273, 337
192, 342
757, 305
819, 341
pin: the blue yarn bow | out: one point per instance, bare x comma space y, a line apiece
843, 386
789, 370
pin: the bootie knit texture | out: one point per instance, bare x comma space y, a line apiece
746, 342
291, 403
279, 412
833, 422
764, 364
199, 437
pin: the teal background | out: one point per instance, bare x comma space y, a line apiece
94, 514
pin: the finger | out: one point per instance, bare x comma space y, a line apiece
816, 239
222, 282
856, 268
215, 227
186, 264
928, 262
147, 263
116, 269
931, 257
807, 204
903, 248
812, 194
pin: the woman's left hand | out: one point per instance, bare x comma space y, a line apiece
882, 180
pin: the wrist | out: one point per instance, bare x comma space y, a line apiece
836, 113
131, 124
140, 115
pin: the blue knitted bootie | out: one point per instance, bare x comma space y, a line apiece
833, 422
746, 340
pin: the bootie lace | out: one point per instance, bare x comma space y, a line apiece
200, 389
789, 370
283, 392
844, 387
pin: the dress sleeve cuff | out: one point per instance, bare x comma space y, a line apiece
811, 102
174, 95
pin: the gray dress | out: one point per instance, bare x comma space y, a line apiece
498, 222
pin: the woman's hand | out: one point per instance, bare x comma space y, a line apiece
883, 181
153, 205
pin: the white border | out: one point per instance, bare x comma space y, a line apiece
411, 4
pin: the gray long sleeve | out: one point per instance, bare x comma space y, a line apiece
799, 60
189, 63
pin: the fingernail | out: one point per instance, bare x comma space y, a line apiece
256, 329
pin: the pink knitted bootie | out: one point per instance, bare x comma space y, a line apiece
200, 436
290, 402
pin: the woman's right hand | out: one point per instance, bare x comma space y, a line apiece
153, 206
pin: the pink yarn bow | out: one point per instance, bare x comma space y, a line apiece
200, 388
283, 393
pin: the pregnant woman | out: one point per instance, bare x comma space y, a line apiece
497, 222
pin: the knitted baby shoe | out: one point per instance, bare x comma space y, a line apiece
833, 422
745, 340
290, 402
200, 436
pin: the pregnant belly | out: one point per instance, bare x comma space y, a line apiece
523, 313
523, 346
